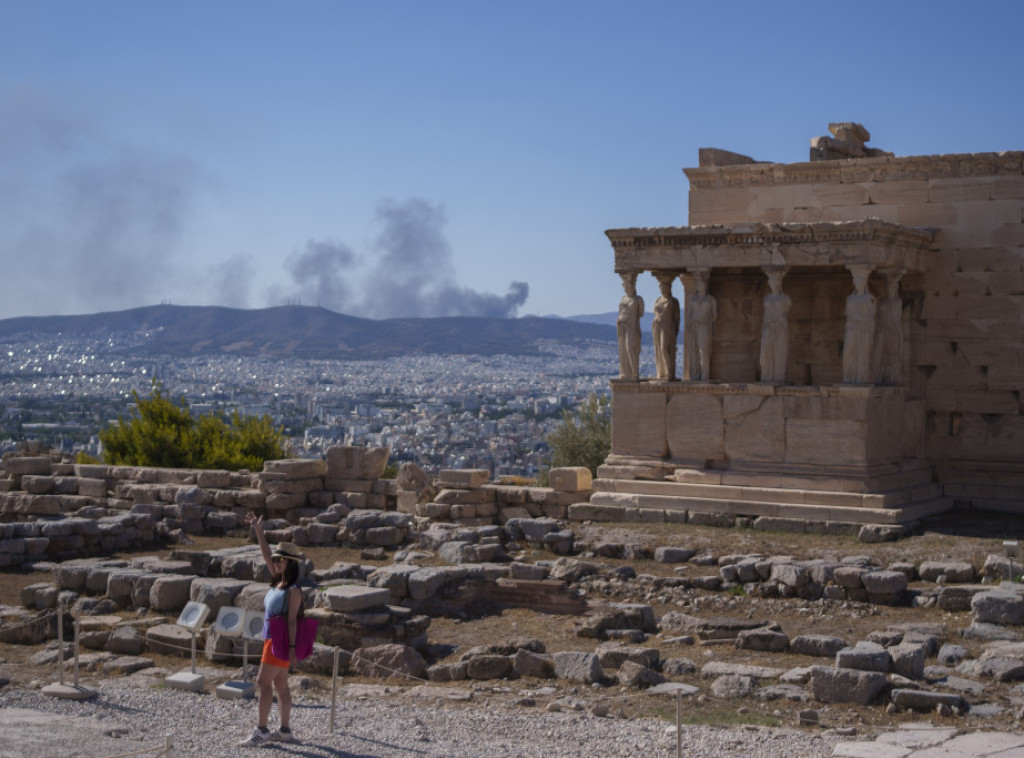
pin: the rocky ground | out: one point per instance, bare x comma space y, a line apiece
535, 716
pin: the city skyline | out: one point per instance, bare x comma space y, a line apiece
404, 159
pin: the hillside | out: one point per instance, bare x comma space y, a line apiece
304, 332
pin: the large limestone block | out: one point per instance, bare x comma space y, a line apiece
578, 666
296, 468
354, 597
570, 479
639, 423
839, 685
355, 462
998, 607
26, 465
825, 442
469, 478
215, 592
754, 428
694, 428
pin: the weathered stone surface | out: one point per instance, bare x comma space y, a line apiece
384, 661
673, 554
528, 663
864, 656
998, 607
822, 646
578, 666
296, 468
169, 639
633, 674
355, 597
125, 640
907, 660
352, 462
843, 685
613, 655
951, 655
215, 592
763, 639
722, 668
921, 700
570, 479
954, 571
716, 628
488, 666
731, 686
678, 667
791, 692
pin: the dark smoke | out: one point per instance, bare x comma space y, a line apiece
86, 216
319, 273
415, 276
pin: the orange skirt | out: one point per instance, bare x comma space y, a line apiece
270, 659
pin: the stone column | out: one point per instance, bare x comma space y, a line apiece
860, 328
775, 328
701, 312
888, 349
631, 308
665, 328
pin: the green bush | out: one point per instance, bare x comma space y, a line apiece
163, 433
584, 438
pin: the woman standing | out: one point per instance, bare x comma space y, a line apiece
283, 597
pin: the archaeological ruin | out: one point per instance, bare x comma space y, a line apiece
853, 333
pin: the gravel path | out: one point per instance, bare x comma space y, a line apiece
129, 716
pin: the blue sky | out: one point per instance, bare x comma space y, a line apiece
429, 158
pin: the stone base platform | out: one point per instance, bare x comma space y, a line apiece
899, 506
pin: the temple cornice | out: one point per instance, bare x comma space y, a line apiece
857, 170
880, 244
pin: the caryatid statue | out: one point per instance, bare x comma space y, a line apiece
665, 329
860, 329
701, 312
775, 329
631, 308
888, 354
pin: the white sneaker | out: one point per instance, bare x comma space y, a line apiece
257, 738
278, 736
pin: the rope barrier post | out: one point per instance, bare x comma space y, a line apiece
334, 687
679, 724
78, 628
60, 642
59, 689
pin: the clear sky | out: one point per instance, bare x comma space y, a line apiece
434, 157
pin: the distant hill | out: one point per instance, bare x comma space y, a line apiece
609, 319
306, 332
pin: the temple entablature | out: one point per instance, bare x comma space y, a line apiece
882, 244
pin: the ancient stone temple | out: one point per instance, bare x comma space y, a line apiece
853, 346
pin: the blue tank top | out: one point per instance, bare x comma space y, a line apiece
273, 605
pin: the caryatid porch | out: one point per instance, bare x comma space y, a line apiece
794, 397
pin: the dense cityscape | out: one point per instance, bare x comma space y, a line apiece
441, 411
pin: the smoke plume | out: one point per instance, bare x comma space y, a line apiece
414, 275
87, 216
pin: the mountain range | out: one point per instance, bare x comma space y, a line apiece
306, 332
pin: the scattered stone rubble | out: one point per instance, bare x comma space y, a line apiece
380, 615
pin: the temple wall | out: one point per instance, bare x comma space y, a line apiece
964, 318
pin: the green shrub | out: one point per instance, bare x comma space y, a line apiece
163, 433
584, 438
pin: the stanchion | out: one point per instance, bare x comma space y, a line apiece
67, 691
679, 724
334, 687
185, 680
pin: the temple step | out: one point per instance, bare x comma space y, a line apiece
895, 498
856, 514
